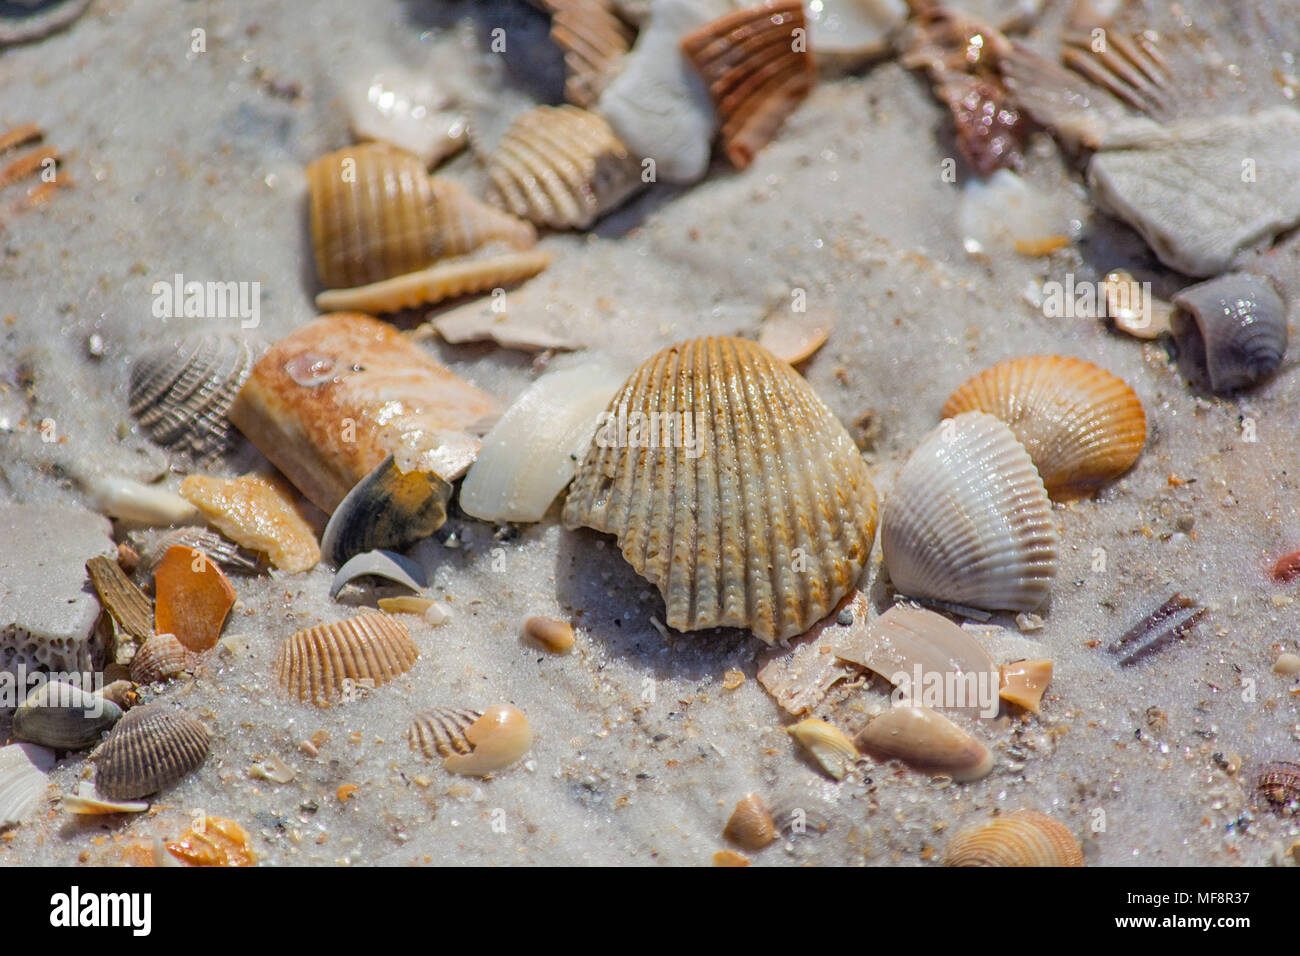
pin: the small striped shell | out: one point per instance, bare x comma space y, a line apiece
969, 522
320, 664
1022, 838
1239, 333
1081, 425
731, 487
470, 742
160, 658
442, 280
150, 749
594, 41
758, 70
153, 545
180, 392
1277, 785
562, 167
376, 214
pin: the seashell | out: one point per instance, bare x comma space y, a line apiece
969, 521
532, 452
520, 321
383, 564
88, 802
1005, 214
914, 648
562, 167
471, 743
1170, 622
181, 392
757, 67
193, 598
388, 509
1023, 682
926, 740
730, 858
273, 769
405, 605
1240, 330
161, 657
443, 280
322, 664
407, 110
214, 842
801, 674
219, 550
1133, 72
658, 105
24, 772
64, 717
553, 635
1021, 838
751, 825
691, 470
1133, 309
331, 401
1286, 568
376, 214
51, 17
150, 749
849, 32
833, 751
790, 339
133, 501
594, 41
259, 514
122, 599
1277, 785
1287, 665
121, 692
1081, 425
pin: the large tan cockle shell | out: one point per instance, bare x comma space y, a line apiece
1081, 425
732, 487
322, 664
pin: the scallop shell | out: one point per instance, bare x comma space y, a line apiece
64, 717
150, 749
470, 742
1240, 330
594, 41
757, 72
1277, 785
376, 214
24, 771
969, 522
562, 167
926, 740
159, 658
389, 509
1081, 425
762, 515
180, 392
321, 664
1022, 838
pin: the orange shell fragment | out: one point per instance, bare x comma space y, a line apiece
217, 842
193, 598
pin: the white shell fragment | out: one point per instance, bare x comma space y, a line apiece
969, 522
383, 564
408, 110
132, 501
87, 801
24, 769
532, 452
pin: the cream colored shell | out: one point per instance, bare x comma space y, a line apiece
759, 513
1021, 838
322, 664
926, 740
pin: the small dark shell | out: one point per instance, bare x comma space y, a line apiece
150, 749
219, 549
1277, 785
64, 717
1239, 334
386, 510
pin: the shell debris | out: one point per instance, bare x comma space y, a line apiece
1023, 683
128, 605
193, 598
925, 740
257, 513
1020, 838
1170, 622
827, 744
214, 841
470, 742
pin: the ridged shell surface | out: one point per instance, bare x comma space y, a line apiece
1022, 838
24, 774
150, 749
968, 521
1242, 323
732, 487
1081, 425
594, 41
161, 657
314, 663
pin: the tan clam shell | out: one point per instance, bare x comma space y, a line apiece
159, 658
1023, 683
315, 663
750, 825
1021, 838
926, 740
1081, 425
766, 524
594, 41
756, 72
833, 751
442, 280
471, 742
150, 749
562, 167
969, 522
376, 213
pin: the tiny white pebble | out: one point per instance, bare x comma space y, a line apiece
437, 614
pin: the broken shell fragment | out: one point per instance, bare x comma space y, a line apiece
160, 658
1170, 622
1024, 682
757, 71
692, 472
327, 663
150, 749
562, 167
259, 514
88, 802
132, 501
24, 773
1081, 425
926, 740
1132, 308
388, 565
193, 598
388, 509
64, 717
850, 32
751, 825
121, 598
594, 41
472, 743
407, 110
216, 842
969, 522
328, 403
155, 545
1239, 329
553, 635
792, 339
405, 604
1021, 838
833, 751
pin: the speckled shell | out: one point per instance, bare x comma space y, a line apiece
180, 392
766, 525
471, 742
562, 167
1022, 838
150, 749
63, 716
1081, 425
969, 522
159, 658
594, 41
376, 214
314, 663
1242, 326
756, 72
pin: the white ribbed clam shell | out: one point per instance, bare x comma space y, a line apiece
969, 521
23, 777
